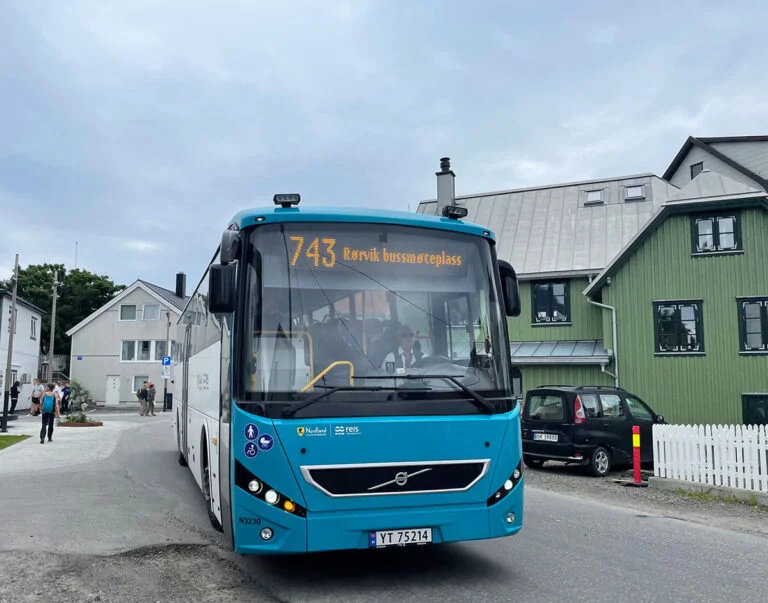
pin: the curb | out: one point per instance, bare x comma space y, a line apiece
748, 496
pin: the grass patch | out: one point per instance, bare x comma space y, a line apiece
706, 496
10, 440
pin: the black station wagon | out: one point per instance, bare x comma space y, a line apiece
585, 425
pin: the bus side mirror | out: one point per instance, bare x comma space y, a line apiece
222, 288
510, 289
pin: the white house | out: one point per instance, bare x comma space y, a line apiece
25, 357
121, 345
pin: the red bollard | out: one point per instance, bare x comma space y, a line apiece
636, 452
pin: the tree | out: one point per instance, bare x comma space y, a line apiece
80, 293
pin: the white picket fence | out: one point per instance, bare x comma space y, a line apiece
735, 456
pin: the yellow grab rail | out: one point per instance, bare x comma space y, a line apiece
328, 369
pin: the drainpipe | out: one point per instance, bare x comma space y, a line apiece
615, 374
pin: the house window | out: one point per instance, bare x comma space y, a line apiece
128, 312
753, 324
679, 327
160, 348
33, 328
715, 233
151, 312
129, 351
594, 197
634, 192
550, 303
138, 381
144, 349
696, 169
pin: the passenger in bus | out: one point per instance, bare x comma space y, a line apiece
406, 356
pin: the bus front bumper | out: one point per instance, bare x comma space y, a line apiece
265, 530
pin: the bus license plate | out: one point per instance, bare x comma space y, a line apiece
387, 538
546, 437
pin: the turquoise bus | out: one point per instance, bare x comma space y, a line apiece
343, 381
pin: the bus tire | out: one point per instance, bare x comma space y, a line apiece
182, 460
206, 481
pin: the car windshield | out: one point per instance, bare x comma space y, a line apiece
370, 306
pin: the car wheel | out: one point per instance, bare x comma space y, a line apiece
533, 462
600, 462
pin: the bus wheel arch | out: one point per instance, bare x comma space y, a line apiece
205, 480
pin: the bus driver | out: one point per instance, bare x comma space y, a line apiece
406, 356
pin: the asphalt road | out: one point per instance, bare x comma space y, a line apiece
133, 528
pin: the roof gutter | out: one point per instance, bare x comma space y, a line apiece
615, 374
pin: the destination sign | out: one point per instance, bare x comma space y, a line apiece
329, 252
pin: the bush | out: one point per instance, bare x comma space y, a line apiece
79, 396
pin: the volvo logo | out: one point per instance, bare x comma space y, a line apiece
401, 478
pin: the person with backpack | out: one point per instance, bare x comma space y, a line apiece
151, 393
50, 404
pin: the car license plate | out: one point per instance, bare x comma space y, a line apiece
385, 538
545, 437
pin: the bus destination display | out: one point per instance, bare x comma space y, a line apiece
329, 252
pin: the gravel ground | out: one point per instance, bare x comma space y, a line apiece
164, 574
573, 480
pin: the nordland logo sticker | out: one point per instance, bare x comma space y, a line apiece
266, 442
300, 431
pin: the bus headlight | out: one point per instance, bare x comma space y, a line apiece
247, 481
508, 485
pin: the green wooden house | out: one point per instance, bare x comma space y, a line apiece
658, 285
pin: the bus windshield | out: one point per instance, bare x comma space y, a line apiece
366, 306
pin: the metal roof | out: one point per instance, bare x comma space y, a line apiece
559, 352
552, 230
712, 184
167, 295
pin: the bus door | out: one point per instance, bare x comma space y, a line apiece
185, 390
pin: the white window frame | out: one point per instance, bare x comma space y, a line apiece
144, 312
593, 201
135, 313
628, 196
33, 327
152, 350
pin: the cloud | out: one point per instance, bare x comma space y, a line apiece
138, 129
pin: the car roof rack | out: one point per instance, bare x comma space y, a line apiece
619, 389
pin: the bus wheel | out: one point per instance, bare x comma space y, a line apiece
207, 492
182, 460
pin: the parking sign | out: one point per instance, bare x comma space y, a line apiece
166, 361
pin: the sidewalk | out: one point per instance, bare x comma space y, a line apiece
71, 445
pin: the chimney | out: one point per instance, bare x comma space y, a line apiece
446, 186
181, 285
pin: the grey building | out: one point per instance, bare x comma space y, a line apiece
120, 345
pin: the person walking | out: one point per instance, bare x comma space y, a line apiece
151, 393
142, 396
14, 396
51, 410
65, 393
37, 391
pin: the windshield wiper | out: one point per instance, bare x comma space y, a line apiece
294, 408
480, 401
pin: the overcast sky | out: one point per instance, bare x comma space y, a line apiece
138, 128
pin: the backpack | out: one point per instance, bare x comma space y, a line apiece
49, 403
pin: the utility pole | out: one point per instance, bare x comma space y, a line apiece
75, 255
8, 365
53, 324
167, 353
